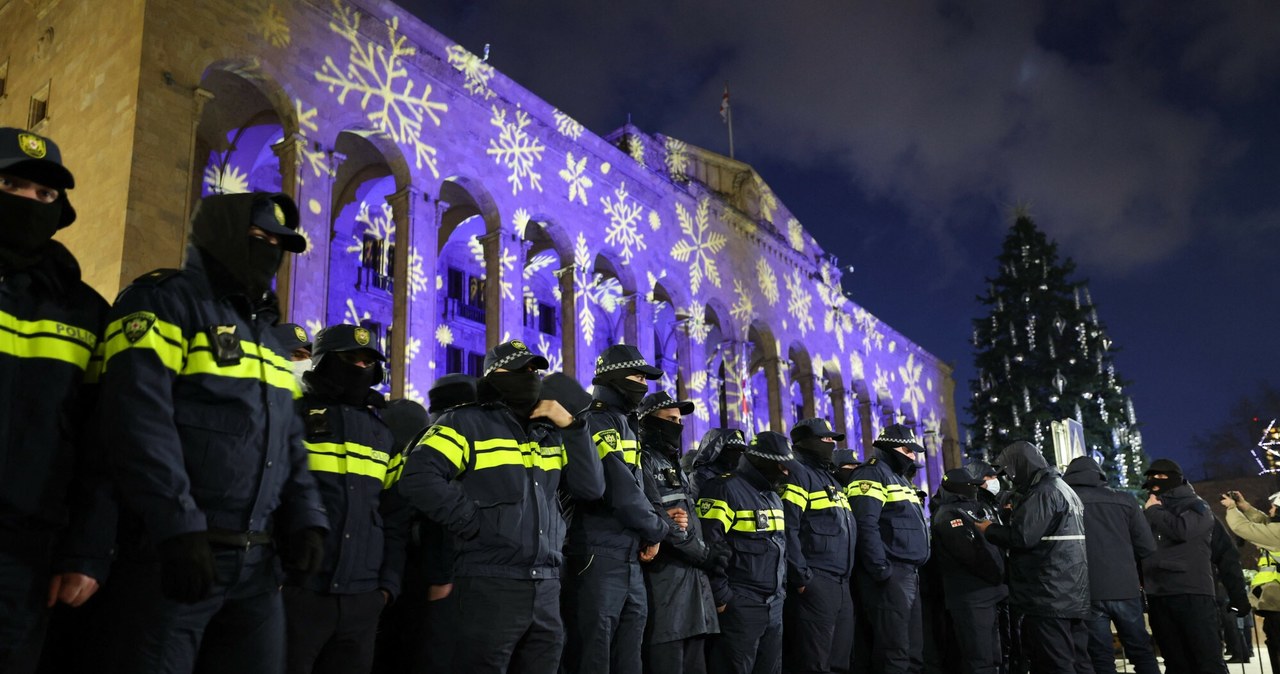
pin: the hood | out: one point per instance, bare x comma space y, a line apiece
220, 230
979, 469
708, 449
1021, 461
1180, 494
1085, 472
946, 496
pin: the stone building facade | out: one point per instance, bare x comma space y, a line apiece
449, 208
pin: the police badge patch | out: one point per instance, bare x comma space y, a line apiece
32, 145
519, 345
136, 325
864, 486
610, 438
704, 507
300, 333
362, 336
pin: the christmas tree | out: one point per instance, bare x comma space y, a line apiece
1041, 356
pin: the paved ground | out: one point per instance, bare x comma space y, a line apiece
1257, 665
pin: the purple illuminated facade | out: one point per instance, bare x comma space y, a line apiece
448, 208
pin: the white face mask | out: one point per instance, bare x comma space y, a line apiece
300, 367
993, 486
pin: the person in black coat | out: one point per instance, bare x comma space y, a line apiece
717, 454
1179, 575
972, 570
1048, 567
1233, 600
1115, 534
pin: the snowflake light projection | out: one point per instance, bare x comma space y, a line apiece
697, 386
444, 334
933, 426
555, 361
912, 394
228, 179
506, 269
870, 327
699, 246
313, 326
380, 226
575, 173
696, 325
418, 276
857, 371
520, 221
635, 148
515, 149
743, 309
411, 348
593, 290
768, 281
354, 316
275, 29
655, 221
567, 126
799, 302
795, 234
623, 230
677, 159
475, 72
836, 319
377, 74
314, 159
539, 262
880, 384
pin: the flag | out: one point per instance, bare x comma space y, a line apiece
724, 105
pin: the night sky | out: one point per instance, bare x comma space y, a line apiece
1142, 136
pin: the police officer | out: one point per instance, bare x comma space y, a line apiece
605, 605
51, 322
295, 340
893, 543
489, 472
682, 612
717, 454
972, 571
742, 508
206, 446
821, 534
332, 615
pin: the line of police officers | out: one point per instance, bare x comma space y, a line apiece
255, 514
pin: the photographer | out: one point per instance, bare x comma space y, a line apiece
1263, 530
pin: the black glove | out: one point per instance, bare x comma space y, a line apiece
718, 557
186, 567
305, 550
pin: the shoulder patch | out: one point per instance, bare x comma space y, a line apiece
865, 486
873, 462
610, 437
156, 277
957, 523
726, 474
704, 507
136, 325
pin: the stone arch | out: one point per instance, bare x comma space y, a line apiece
461, 199
800, 383
619, 325
765, 376
547, 263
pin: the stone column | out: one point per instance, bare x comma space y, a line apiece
568, 319
864, 423
493, 319
773, 378
288, 151
404, 214
837, 410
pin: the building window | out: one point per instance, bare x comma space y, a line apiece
547, 323
452, 359
375, 263
457, 280
38, 113
475, 364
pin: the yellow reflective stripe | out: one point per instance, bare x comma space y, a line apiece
821, 500
394, 468
46, 339
507, 452
867, 488
897, 493
745, 520
715, 509
796, 495
258, 363
163, 338
347, 458
448, 443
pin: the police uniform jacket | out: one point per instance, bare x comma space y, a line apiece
616, 525
891, 522
680, 601
50, 323
1182, 562
491, 480
352, 455
709, 461
742, 510
971, 567
821, 531
198, 408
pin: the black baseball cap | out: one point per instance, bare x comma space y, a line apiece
345, 337
662, 401
897, 435
770, 445
513, 355
624, 358
276, 214
292, 336
31, 156
814, 428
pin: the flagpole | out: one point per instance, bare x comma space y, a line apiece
726, 114
730, 120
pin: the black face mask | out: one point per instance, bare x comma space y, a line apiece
728, 458
771, 470
669, 432
632, 391
259, 267
517, 390
844, 474
1162, 485
817, 448
352, 380
26, 225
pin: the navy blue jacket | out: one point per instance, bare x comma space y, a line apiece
891, 522
352, 454
490, 479
821, 531
625, 518
50, 358
742, 510
199, 441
